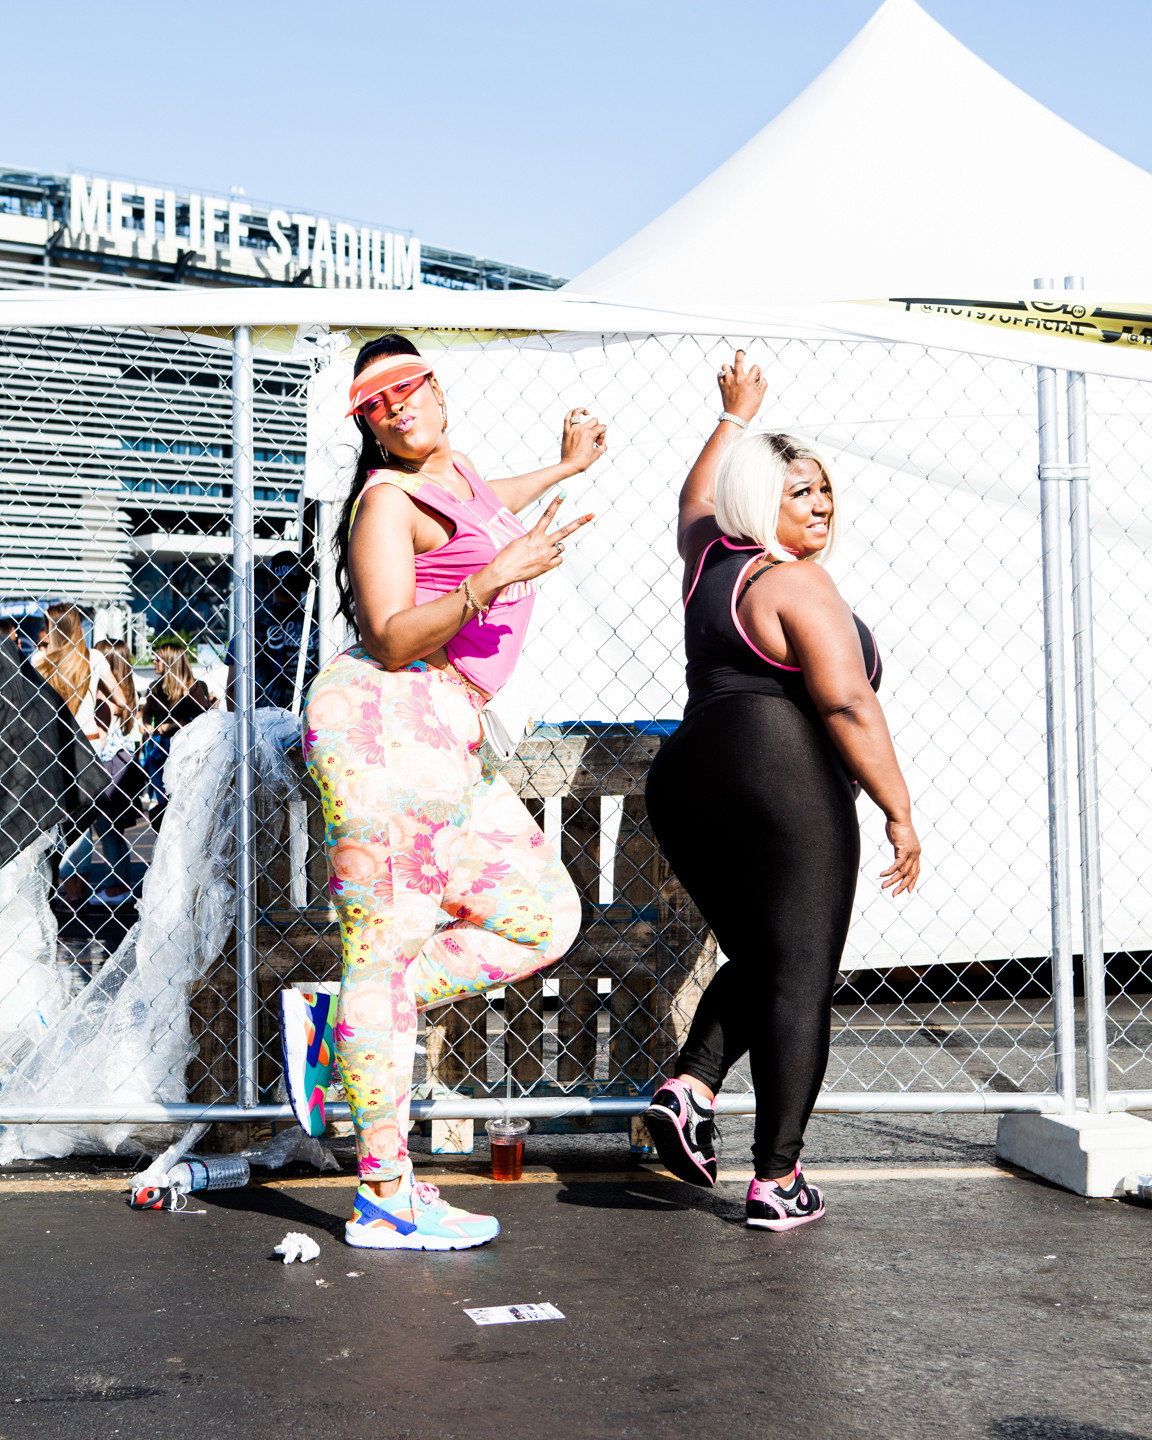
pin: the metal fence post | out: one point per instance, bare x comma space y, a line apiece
1089, 794
1060, 891
243, 603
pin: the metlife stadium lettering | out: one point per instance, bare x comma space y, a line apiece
141, 220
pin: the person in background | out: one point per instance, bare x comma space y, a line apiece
85, 682
49, 775
9, 632
131, 725
81, 677
121, 805
281, 591
27, 633
174, 699
122, 724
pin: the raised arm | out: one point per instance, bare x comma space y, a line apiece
741, 392
382, 562
582, 444
798, 609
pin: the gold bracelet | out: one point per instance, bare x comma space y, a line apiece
471, 600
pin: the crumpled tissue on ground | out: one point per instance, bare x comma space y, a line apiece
296, 1246
125, 1038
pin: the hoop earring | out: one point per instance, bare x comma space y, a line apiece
385, 457
443, 417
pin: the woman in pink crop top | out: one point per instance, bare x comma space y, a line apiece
438, 577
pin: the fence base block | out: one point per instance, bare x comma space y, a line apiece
1087, 1154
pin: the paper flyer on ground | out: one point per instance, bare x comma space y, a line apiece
513, 1314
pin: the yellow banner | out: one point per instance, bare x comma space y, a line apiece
1100, 324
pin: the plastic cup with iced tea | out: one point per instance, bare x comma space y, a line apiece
506, 1140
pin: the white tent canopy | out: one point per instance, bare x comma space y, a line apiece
908, 167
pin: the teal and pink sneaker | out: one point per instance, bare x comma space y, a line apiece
415, 1218
306, 1020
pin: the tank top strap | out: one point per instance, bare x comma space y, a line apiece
408, 483
411, 485
771, 565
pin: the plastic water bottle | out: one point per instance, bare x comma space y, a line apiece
208, 1172
1139, 1187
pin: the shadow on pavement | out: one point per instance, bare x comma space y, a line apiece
600, 1196
1047, 1427
264, 1200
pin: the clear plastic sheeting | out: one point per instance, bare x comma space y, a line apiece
125, 1038
157, 1172
30, 983
290, 1147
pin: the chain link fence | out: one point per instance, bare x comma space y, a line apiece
1120, 412
172, 484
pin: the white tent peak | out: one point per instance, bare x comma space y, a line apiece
907, 167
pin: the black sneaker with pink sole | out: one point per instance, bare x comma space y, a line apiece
680, 1123
772, 1207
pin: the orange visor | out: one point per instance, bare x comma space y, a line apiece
384, 376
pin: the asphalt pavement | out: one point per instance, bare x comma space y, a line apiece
942, 1296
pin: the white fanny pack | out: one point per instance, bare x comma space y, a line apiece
511, 713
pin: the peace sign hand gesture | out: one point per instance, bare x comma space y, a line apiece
742, 391
532, 554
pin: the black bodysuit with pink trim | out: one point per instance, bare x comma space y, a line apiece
722, 660
756, 815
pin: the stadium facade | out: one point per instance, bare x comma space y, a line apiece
115, 454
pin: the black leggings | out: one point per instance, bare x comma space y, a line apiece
758, 821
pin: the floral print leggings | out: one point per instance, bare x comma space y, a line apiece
416, 826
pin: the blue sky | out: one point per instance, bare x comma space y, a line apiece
539, 133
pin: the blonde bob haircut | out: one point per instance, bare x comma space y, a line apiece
750, 486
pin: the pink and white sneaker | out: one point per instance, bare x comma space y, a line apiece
770, 1207
681, 1125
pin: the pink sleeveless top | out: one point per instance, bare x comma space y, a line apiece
486, 649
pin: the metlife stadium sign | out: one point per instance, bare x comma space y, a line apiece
147, 222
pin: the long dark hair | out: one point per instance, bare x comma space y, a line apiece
370, 458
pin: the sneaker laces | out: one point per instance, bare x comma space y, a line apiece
428, 1195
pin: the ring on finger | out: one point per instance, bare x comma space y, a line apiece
559, 547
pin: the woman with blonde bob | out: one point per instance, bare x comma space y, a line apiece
753, 799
